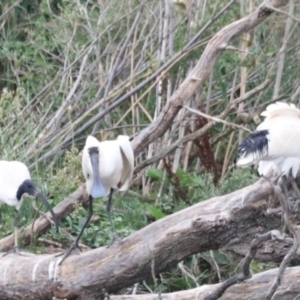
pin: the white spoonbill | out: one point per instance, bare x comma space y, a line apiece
106, 166
275, 145
15, 184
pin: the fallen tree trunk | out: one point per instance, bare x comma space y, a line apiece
254, 288
210, 224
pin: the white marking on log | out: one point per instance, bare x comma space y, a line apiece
5, 266
34, 270
51, 269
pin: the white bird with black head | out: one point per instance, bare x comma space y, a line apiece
16, 184
275, 145
106, 166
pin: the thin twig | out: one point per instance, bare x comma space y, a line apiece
211, 252
295, 231
216, 119
246, 273
284, 12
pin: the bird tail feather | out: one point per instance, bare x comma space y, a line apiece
128, 161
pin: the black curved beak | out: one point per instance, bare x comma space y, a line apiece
98, 190
40, 196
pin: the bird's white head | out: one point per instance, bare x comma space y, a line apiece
98, 190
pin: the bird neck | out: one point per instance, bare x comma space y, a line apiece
20, 192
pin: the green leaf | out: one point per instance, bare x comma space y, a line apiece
184, 178
155, 173
156, 213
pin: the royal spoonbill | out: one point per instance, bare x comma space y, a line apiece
275, 145
106, 166
16, 184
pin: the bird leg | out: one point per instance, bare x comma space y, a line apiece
297, 192
16, 248
115, 236
290, 208
284, 186
75, 243
285, 181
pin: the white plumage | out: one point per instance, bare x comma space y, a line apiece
276, 143
116, 161
16, 183
12, 175
106, 166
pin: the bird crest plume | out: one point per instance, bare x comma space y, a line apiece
280, 109
91, 142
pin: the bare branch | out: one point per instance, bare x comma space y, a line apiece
216, 119
246, 273
295, 230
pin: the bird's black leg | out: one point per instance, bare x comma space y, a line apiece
285, 186
75, 243
285, 181
115, 236
297, 192
16, 227
15, 249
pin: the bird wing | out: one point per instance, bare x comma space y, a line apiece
276, 142
253, 149
128, 162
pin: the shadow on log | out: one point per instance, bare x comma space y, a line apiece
210, 224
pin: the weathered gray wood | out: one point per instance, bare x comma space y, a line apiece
210, 224
254, 288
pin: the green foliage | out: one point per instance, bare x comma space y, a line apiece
47, 45
156, 213
155, 173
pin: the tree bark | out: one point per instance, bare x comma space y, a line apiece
210, 224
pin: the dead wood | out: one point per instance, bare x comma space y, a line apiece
246, 273
295, 231
210, 224
200, 72
251, 289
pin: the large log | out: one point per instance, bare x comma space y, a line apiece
210, 224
